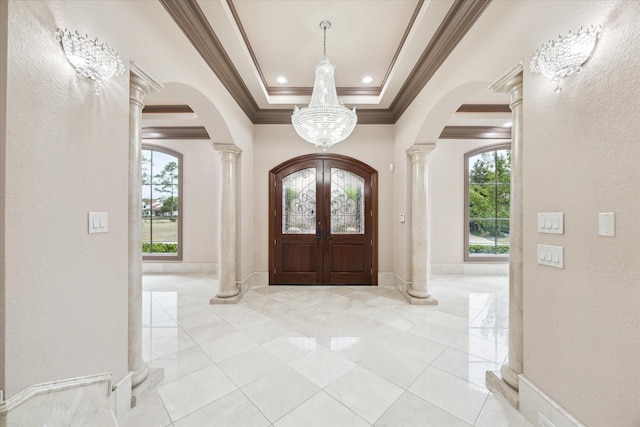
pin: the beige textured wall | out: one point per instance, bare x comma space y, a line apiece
371, 144
66, 290
4, 10
200, 198
582, 157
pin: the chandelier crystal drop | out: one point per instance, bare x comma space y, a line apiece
326, 121
565, 56
89, 58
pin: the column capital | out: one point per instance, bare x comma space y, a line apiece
142, 79
227, 149
509, 81
420, 150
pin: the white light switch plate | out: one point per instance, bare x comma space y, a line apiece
552, 256
552, 223
98, 222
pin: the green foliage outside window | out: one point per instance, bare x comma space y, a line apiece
489, 201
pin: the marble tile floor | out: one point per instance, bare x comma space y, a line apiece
324, 355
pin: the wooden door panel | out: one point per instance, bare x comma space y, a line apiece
299, 257
347, 258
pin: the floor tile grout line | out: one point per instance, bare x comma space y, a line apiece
482, 408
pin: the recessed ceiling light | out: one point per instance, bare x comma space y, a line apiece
367, 79
507, 124
281, 79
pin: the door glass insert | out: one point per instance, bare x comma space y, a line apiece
299, 202
347, 202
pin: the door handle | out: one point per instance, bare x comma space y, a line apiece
319, 235
328, 234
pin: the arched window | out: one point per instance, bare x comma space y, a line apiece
487, 196
161, 203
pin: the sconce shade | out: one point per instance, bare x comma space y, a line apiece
565, 56
90, 59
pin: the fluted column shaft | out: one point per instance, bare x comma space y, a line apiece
140, 84
419, 293
228, 290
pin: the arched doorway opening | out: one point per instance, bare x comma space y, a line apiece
323, 226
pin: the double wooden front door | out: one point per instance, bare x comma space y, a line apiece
323, 224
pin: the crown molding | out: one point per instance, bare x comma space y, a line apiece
192, 21
458, 21
341, 91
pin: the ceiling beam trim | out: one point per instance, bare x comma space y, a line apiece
475, 132
175, 132
484, 108
166, 109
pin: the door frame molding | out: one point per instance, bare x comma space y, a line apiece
325, 156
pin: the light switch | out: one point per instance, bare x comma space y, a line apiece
607, 224
551, 223
552, 256
98, 222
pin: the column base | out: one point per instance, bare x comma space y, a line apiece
226, 300
510, 377
495, 383
142, 390
417, 300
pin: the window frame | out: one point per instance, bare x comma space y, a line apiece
465, 248
179, 157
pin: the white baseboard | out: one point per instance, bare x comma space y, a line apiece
386, 279
122, 395
471, 269
68, 402
150, 267
400, 284
257, 278
534, 401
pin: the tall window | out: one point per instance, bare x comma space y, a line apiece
161, 203
487, 193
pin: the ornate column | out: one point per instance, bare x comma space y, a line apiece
418, 293
141, 380
228, 292
511, 83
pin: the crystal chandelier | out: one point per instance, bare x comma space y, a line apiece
565, 56
90, 59
325, 121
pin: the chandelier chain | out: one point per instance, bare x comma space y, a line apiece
325, 43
